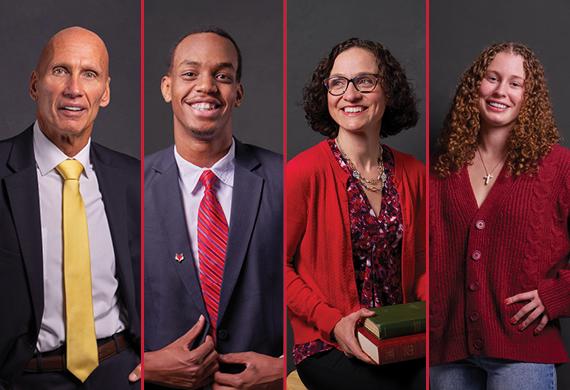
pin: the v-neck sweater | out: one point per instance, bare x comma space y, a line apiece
319, 274
517, 241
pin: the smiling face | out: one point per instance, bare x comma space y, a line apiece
202, 86
501, 91
70, 83
357, 111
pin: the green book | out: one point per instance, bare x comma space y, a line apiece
397, 320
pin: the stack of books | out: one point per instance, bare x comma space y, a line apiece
396, 333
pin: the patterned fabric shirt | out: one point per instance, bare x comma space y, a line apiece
376, 246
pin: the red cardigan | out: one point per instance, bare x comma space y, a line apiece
516, 242
319, 274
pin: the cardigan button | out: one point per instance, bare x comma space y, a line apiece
476, 255
478, 344
480, 224
474, 316
474, 286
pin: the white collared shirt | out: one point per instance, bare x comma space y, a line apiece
193, 191
103, 279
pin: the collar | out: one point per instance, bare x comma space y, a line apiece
48, 156
223, 169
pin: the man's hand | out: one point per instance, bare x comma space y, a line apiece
535, 310
344, 332
177, 366
261, 372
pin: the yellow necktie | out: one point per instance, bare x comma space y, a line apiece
82, 354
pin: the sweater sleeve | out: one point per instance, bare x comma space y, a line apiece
301, 299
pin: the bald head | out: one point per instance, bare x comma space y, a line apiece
73, 38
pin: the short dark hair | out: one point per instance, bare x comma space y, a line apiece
208, 29
401, 112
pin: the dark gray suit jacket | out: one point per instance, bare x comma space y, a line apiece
21, 264
251, 303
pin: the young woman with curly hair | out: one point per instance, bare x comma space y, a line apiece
499, 239
355, 219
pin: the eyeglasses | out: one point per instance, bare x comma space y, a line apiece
337, 85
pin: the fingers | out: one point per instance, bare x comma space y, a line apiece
200, 353
541, 325
526, 296
135, 375
355, 350
365, 313
231, 380
194, 331
240, 357
532, 316
523, 311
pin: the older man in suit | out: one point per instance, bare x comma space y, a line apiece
213, 234
70, 228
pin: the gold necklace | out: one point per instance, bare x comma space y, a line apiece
374, 185
488, 175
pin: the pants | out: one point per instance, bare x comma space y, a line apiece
332, 370
111, 374
480, 373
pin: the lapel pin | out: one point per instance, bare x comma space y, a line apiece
179, 257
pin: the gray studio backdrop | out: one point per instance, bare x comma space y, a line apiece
257, 27
25, 27
459, 31
314, 27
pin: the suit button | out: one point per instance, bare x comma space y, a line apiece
474, 286
480, 224
222, 334
476, 255
478, 344
474, 316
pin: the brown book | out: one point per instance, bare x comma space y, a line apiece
396, 349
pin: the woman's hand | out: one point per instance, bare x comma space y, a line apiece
345, 333
535, 310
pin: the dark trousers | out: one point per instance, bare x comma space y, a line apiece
332, 370
111, 374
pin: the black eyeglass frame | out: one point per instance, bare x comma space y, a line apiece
352, 80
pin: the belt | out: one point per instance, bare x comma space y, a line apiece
55, 360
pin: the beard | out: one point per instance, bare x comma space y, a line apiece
203, 134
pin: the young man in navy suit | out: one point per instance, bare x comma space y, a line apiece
213, 249
50, 257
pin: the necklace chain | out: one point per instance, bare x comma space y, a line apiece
374, 185
488, 175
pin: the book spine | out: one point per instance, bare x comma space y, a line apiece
401, 328
414, 349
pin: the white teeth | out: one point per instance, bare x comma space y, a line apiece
353, 109
498, 105
203, 106
72, 108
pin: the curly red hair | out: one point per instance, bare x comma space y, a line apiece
535, 130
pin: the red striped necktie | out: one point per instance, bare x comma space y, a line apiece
212, 244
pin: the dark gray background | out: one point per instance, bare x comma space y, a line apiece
26, 26
460, 30
314, 27
257, 27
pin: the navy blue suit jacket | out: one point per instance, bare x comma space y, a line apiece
251, 303
21, 264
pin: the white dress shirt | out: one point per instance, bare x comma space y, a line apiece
193, 191
106, 308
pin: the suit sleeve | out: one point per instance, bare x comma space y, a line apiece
302, 300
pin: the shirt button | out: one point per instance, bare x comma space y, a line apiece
476, 255
474, 316
478, 344
480, 224
474, 286
222, 334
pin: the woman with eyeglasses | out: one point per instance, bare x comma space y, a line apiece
355, 219
499, 230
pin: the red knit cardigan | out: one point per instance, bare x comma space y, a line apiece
319, 274
516, 242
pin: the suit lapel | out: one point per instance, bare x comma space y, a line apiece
113, 190
246, 200
22, 189
168, 200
